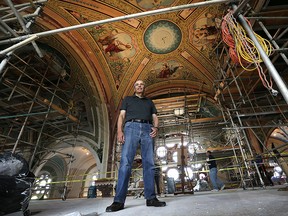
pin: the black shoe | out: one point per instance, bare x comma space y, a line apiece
116, 206
155, 202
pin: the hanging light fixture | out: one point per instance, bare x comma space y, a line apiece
193, 147
170, 144
161, 151
173, 173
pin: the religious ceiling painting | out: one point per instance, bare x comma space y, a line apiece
204, 32
167, 69
118, 47
170, 70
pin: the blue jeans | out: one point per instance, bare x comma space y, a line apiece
136, 133
216, 182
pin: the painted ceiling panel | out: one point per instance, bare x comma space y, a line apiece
171, 46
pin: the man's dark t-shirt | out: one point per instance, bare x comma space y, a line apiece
211, 162
138, 108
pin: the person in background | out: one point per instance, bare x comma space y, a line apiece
138, 114
216, 182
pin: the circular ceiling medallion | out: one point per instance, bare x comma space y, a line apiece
162, 37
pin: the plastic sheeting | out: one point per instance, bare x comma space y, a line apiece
15, 184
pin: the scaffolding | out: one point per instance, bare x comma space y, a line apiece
37, 90
251, 110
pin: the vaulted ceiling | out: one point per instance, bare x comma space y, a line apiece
170, 51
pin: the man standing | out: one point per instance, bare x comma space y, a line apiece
138, 114
216, 182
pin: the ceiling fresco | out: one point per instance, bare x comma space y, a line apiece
162, 37
157, 48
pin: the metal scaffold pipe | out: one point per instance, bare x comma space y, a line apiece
116, 19
24, 4
273, 41
273, 72
18, 45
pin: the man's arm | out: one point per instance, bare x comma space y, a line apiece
120, 134
155, 125
155, 121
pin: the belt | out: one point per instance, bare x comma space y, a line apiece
140, 121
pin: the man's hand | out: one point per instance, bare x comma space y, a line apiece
120, 137
120, 134
154, 132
